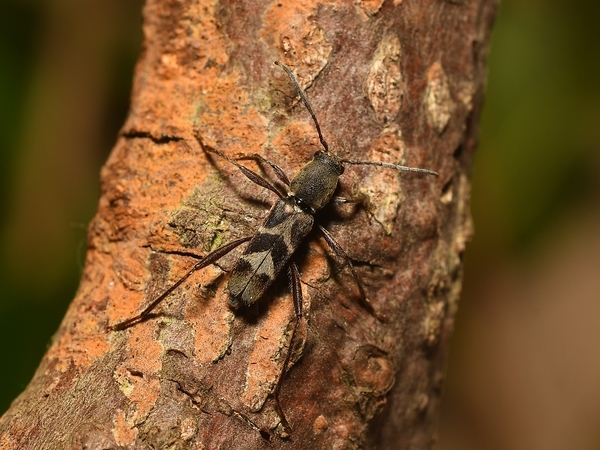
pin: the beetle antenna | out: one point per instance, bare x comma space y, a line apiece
391, 166
305, 101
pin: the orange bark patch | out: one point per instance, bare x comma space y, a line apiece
213, 333
303, 44
137, 377
124, 430
82, 341
298, 141
224, 102
265, 363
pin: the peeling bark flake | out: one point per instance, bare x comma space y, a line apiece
385, 85
437, 98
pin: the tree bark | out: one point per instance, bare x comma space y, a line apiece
399, 82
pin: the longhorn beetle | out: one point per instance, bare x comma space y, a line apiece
287, 224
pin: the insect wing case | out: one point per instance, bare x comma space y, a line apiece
268, 252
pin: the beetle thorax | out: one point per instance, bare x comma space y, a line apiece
313, 186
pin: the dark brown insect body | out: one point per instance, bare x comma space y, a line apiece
284, 229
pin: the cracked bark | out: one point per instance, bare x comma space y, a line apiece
395, 82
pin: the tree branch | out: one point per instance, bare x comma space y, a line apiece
396, 82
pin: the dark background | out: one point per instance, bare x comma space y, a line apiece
524, 369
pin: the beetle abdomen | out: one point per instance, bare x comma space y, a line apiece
268, 252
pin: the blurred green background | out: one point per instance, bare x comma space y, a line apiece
524, 368
65, 81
